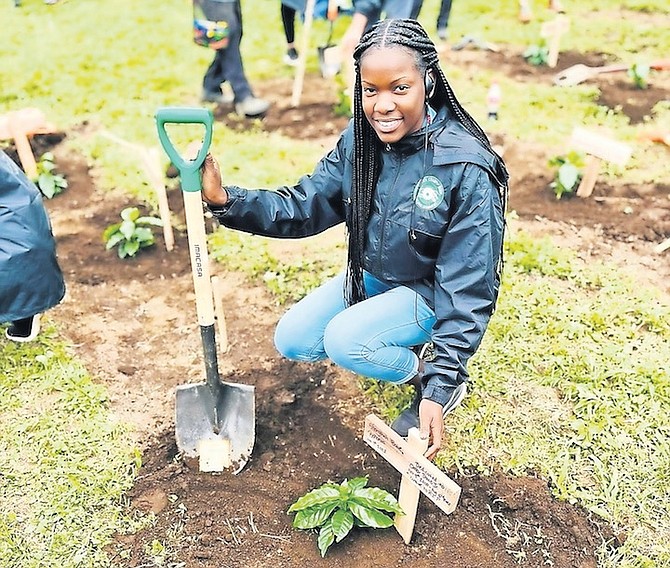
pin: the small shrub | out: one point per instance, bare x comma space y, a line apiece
49, 183
568, 174
130, 235
336, 509
537, 55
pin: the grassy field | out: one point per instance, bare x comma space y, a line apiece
572, 379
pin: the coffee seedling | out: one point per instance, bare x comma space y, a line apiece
537, 55
639, 74
568, 174
50, 184
131, 234
336, 509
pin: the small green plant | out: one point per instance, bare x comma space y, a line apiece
568, 174
130, 235
639, 73
336, 509
537, 54
50, 183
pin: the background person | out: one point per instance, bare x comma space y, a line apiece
31, 281
288, 13
423, 195
227, 64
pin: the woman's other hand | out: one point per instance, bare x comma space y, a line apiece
431, 426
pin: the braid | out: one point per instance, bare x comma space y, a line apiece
408, 34
366, 171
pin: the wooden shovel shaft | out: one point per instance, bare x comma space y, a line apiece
197, 244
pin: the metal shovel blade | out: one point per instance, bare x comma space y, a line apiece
218, 428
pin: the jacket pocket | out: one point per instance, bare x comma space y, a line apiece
424, 244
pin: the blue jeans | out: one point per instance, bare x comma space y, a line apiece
372, 338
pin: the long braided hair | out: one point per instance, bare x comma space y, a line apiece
410, 35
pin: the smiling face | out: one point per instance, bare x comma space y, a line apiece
394, 94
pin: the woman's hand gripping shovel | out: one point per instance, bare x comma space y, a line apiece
214, 421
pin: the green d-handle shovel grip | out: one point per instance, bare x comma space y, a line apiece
191, 185
189, 170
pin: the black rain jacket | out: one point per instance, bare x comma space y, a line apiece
448, 253
30, 279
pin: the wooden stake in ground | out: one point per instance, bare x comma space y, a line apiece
151, 164
419, 474
552, 32
408, 495
598, 147
302, 58
152, 167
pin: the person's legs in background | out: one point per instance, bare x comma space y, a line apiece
214, 77
443, 19
288, 21
246, 104
416, 9
227, 65
393, 9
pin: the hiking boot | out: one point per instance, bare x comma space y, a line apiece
409, 418
291, 57
23, 330
252, 107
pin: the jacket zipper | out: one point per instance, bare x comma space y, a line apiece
385, 213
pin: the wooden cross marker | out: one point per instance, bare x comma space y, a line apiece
419, 474
598, 147
552, 32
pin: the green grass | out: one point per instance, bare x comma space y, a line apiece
66, 464
574, 365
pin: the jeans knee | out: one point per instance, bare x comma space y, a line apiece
289, 345
341, 348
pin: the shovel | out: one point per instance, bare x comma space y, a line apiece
214, 420
579, 73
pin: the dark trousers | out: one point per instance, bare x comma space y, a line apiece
443, 16
288, 20
227, 64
